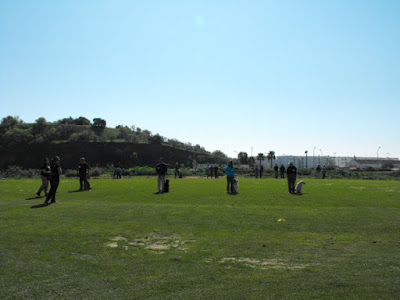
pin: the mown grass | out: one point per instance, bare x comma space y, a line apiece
340, 240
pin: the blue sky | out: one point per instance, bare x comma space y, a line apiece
231, 75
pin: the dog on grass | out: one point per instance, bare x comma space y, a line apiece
299, 187
235, 186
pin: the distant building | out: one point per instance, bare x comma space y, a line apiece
307, 161
335, 162
366, 163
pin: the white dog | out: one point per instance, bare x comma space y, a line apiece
235, 186
299, 187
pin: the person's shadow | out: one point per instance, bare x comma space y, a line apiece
34, 198
75, 191
41, 205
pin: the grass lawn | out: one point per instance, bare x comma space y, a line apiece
340, 240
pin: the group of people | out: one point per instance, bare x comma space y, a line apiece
51, 171
259, 171
291, 173
212, 171
318, 170
280, 170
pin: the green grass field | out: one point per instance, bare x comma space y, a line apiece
340, 240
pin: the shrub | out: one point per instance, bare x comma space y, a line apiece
19, 172
71, 173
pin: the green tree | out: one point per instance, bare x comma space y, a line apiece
156, 139
260, 157
8, 123
251, 161
85, 136
271, 156
69, 120
39, 126
82, 121
221, 156
99, 123
127, 134
17, 135
143, 135
243, 158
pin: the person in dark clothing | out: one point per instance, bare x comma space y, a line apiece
55, 173
45, 175
83, 170
323, 172
282, 169
118, 171
210, 171
216, 171
177, 173
261, 170
318, 171
276, 169
161, 170
291, 177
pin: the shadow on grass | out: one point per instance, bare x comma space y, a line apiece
79, 191
41, 205
35, 198
76, 191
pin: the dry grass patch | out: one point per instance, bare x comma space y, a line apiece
261, 263
153, 242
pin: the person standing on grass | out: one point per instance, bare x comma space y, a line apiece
318, 171
209, 171
83, 169
257, 171
282, 169
161, 170
276, 168
55, 173
216, 171
177, 173
291, 172
45, 175
118, 171
230, 177
323, 172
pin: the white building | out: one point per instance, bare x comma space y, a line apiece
376, 163
311, 162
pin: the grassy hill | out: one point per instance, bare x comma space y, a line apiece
26, 144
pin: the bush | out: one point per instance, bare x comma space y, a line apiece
96, 172
143, 171
71, 173
19, 172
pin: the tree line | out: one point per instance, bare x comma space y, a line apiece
14, 131
244, 159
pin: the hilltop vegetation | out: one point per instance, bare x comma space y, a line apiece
81, 136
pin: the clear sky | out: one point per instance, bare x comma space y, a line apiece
282, 75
